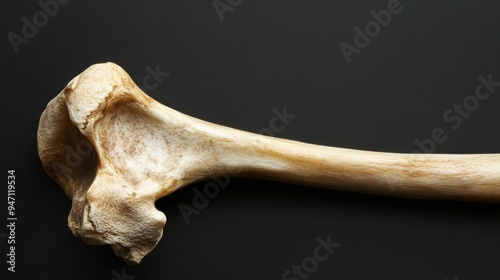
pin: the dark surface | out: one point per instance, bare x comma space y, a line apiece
265, 55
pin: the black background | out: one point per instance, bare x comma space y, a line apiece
265, 55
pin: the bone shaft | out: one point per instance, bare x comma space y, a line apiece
431, 176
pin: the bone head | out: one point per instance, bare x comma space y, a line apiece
115, 151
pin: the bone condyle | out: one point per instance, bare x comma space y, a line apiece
135, 150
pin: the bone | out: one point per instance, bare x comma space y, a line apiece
115, 151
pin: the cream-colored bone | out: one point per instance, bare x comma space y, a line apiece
115, 151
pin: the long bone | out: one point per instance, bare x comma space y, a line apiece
115, 151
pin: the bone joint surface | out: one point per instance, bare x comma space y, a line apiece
115, 151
